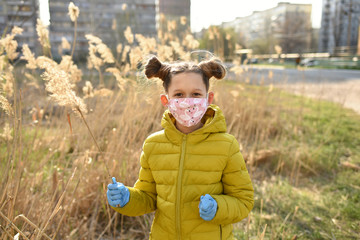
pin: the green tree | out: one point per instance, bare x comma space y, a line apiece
221, 41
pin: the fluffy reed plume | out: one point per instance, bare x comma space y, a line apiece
3, 62
32, 81
183, 20
29, 57
88, 90
278, 49
9, 44
93, 60
119, 48
16, 30
93, 39
177, 48
171, 25
68, 66
147, 44
7, 79
65, 44
190, 42
43, 62
125, 52
58, 84
162, 17
73, 12
113, 25
119, 79
6, 134
165, 52
97, 46
129, 35
270, 74
105, 53
160, 34
135, 57
211, 34
124, 6
43, 34
6, 106
103, 92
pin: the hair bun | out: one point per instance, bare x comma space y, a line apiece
155, 68
213, 68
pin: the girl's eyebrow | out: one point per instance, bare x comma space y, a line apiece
180, 90
177, 90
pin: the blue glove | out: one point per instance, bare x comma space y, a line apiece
117, 194
207, 207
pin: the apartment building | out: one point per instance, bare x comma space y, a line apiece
106, 19
287, 25
22, 14
339, 32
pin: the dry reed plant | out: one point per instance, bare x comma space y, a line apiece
29, 57
43, 34
70, 210
53, 179
5, 105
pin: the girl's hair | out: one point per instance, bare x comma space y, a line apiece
165, 71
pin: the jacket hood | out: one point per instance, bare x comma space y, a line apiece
213, 120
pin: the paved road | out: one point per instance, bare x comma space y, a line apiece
305, 75
341, 86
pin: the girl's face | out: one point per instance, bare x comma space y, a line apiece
187, 85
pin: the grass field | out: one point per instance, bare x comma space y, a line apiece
299, 152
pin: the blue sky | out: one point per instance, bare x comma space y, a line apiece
213, 12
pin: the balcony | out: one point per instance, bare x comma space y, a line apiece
19, 3
20, 14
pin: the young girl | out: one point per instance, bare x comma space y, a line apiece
192, 173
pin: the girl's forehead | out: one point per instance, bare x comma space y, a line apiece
187, 77
187, 80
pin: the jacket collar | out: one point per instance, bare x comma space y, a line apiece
214, 122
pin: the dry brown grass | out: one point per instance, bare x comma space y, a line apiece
53, 175
57, 178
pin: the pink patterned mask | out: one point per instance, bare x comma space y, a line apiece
188, 111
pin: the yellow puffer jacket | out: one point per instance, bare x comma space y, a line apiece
176, 169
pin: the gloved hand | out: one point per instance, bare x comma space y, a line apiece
207, 207
117, 194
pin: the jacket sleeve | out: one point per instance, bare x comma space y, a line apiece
143, 194
238, 193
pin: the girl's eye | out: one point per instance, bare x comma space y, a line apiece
197, 94
178, 95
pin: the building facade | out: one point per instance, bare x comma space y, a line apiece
106, 19
22, 14
339, 32
287, 25
177, 12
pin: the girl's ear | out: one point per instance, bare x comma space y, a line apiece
164, 100
210, 97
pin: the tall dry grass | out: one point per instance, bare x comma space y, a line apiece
53, 174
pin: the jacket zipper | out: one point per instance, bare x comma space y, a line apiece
220, 232
178, 188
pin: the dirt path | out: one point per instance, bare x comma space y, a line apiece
346, 93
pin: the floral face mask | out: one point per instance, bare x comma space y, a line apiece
188, 111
